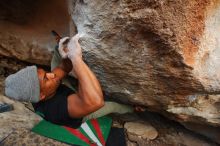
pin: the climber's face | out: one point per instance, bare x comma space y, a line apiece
49, 83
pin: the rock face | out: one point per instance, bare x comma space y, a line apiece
25, 30
158, 53
20, 117
167, 132
25, 137
161, 54
143, 130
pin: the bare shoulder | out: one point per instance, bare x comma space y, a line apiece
75, 106
78, 107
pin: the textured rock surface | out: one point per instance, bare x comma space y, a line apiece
138, 68
20, 117
158, 53
25, 28
161, 54
143, 130
24, 137
169, 132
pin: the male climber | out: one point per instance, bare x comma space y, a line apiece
53, 97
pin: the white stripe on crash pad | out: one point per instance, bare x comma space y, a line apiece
89, 132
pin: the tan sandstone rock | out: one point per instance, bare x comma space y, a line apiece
25, 30
158, 53
20, 117
24, 137
144, 130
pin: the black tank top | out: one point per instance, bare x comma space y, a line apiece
55, 109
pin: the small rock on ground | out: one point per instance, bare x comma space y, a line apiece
143, 130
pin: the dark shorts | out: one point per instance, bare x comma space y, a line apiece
55, 110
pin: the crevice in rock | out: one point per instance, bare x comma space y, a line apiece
143, 52
26, 28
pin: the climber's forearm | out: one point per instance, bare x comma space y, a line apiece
66, 65
89, 87
63, 69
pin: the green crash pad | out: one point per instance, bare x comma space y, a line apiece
91, 132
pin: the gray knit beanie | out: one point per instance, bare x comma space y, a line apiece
23, 85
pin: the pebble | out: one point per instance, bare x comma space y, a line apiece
142, 129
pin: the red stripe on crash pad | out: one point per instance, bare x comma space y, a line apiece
78, 134
96, 126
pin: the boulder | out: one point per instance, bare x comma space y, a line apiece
161, 54
153, 129
143, 130
24, 137
25, 28
20, 117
